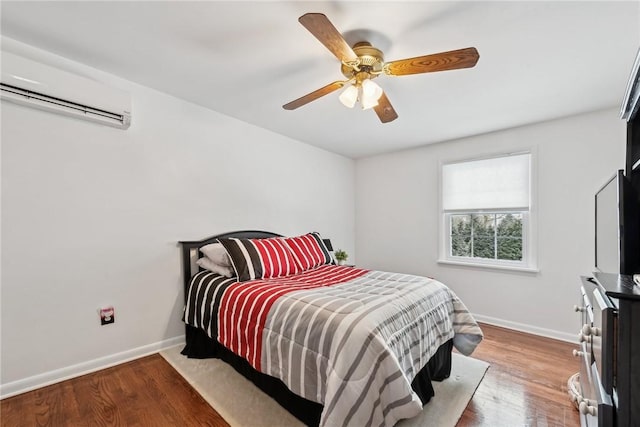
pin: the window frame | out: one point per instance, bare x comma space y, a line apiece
529, 222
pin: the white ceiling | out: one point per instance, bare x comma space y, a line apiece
538, 60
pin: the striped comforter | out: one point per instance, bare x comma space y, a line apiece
348, 338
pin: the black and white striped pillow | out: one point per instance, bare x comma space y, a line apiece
260, 258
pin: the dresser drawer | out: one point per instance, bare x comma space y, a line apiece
595, 404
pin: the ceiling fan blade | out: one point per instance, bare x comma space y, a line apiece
325, 90
385, 110
320, 26
443, 61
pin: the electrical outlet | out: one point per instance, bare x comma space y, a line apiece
107, 315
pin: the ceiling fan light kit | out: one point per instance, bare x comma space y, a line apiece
364, 62
367, 91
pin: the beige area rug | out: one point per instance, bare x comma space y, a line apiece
242, 404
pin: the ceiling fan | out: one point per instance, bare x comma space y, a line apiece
363, 62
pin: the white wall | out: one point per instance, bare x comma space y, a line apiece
92, 215
397, 218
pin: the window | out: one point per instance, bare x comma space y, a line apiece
486, 212
489, 235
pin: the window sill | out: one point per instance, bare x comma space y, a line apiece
489, 266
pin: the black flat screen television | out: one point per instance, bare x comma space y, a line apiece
617, 230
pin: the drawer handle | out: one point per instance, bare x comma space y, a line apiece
584, 338
590, 330
578, 309
588, 409
577, 353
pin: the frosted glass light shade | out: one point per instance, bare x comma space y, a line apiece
368, 102
349, 96
371, 89
371, 92
497, 183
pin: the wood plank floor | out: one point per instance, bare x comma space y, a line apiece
525, 386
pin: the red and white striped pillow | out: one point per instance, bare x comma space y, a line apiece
260, 258
309, 250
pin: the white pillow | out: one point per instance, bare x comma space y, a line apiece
217, 253
222, 270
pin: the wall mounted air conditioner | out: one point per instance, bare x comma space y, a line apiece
44, 87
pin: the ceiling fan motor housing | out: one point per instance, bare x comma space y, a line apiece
370, 61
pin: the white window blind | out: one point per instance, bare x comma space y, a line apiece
497, 183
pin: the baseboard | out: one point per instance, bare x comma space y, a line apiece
58, 375
522, 327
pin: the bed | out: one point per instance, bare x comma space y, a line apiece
334, 345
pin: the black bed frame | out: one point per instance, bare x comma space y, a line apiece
199, 345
